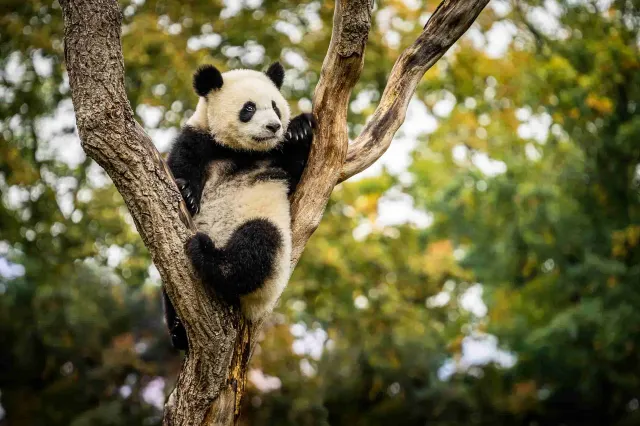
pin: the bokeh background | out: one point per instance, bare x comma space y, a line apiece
486, 271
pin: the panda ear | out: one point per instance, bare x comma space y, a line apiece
276, 74
206, 79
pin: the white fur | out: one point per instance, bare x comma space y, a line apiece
199, 117
219, 111
227, 203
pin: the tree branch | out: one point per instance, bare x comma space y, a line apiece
449, 21
340, 72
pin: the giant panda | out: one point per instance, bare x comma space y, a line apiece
236, 161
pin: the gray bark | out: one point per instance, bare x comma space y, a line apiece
450, 20
211, 383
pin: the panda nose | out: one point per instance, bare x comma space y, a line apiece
274, 127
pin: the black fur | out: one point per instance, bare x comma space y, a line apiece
271, 174
294, 151
276, 74
189, 197
243, 264
191, 152
257, 241
206, 79
176, 329
247, 112
276, 109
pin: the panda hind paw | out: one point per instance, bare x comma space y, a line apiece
201, 251
179, 336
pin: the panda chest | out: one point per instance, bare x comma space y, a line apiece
231, 198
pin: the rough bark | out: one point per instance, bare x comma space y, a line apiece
211, 383
449, 21
340, 72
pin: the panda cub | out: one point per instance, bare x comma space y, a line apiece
236, 161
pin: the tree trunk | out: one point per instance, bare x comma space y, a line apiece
212, 380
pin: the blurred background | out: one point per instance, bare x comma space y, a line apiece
486, 271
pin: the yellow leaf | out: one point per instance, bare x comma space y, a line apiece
599, 104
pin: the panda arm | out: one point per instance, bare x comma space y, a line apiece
187, 161
296, 146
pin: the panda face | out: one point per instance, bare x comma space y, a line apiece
242, 109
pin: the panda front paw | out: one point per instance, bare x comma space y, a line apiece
301, 128
189, 196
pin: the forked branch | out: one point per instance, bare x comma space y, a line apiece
449, 21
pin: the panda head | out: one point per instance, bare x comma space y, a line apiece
242, 109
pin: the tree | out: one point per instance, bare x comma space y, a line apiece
211, 383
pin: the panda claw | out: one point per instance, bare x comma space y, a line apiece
193, 207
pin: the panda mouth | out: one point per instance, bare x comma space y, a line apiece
263, 139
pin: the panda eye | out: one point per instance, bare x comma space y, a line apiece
247, 112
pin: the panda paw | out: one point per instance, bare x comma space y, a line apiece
301, 128
189, 196
179, 336
201, 251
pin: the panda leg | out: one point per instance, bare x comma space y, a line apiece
243, 265
176, 329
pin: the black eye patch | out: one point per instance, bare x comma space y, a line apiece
275, 108
247, 111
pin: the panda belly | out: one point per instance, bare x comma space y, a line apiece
230, 200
